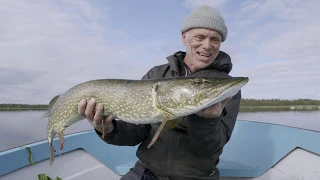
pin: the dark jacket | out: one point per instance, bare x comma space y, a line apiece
192, 149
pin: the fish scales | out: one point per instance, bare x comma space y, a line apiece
139, 101
117, 96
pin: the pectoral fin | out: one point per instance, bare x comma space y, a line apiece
172, 123
166, 116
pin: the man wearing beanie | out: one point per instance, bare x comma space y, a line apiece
191, 150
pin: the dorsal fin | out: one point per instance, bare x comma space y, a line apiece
51, 103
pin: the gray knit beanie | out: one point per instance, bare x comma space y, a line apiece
206, 17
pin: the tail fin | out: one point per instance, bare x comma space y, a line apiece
52, 151
61, 137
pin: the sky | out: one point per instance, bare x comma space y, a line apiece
49, 46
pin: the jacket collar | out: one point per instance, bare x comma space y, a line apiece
222, 62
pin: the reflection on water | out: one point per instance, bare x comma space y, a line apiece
22, 127
303, 119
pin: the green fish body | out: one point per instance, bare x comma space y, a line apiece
139, 101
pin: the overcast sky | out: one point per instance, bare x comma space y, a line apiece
49, 46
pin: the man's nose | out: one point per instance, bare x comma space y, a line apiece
207, 44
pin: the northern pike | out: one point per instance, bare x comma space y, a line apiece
139, 101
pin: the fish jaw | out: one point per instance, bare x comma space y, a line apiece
224, 92
192, 95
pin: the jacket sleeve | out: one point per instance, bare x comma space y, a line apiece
127, 134
207, 136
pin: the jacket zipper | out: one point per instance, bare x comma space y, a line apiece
187, 69
173, 154
173, 148
187, 73
170, 175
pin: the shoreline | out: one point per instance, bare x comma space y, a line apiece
246, 105
243, 108
295, 108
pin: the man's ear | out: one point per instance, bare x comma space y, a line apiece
184, 38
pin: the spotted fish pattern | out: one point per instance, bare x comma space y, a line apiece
139, 101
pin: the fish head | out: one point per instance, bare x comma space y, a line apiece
208, 91
186, 96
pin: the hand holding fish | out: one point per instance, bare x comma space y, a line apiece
213, 111
95, 118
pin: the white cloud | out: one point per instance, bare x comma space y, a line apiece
298, 41
275, 43
291, 10
283, 80
286, 38
213, 3
49, 46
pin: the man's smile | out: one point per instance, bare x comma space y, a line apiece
204, 56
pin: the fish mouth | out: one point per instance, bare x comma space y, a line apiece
241, 82
229, 90
233, 88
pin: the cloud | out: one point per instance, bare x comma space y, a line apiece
275, 43
8, 76
291, 10
195, 3
284, 61
49, 46
283, 80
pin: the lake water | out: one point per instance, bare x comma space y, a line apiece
22, 127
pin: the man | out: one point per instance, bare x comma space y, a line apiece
192, 149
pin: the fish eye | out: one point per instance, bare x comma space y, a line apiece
197, 81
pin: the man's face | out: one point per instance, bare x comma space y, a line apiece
202, 47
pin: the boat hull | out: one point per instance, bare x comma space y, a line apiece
256, 151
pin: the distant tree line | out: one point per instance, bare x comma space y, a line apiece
23, 106
278, 102
244, 102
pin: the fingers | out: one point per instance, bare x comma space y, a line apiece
211, 111
96, 118
82, 107
214, 110
89, 110
85, 109
110, 118
224, 102
98, 115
